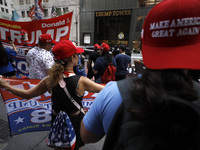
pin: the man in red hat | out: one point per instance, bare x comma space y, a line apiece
102, 62
24, 36
91, 61
39, 58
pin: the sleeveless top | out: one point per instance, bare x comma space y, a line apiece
60, 100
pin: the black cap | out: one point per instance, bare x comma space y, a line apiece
123, 47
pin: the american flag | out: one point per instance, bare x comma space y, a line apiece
37, 12
53, 12
62, 134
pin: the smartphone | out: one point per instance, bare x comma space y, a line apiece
9, 38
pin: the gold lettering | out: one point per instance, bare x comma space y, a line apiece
113, 13
10, 25
106, 14
117, 13
47, 125
129, 12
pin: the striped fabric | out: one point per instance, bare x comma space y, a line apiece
62, 134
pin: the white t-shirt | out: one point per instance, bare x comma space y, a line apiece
40, 60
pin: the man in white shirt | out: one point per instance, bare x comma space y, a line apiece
40, 59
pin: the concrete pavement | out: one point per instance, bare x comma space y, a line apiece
28, 141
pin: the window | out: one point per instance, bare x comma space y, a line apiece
23, 14
7, 11
28, 2
5, 2
143, 3
1, 2
11, 5
27, 12
86, 39
21, 2
58, 10
46, 13
2, 9
65, 10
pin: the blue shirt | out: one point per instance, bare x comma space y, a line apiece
122, 61
98, 119
101, 65
8, 68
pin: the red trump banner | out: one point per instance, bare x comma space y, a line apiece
25, 35
58, 27
34, 114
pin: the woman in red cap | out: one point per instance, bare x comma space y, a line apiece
66, 55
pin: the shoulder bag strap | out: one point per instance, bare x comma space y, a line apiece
125, 86
113, 135
63, 85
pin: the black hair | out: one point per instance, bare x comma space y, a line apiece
41, 44
122, 47
107, 57
151, 89
3, 56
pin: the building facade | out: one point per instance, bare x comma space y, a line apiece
113, 21
94, 21
23, 8
6, 9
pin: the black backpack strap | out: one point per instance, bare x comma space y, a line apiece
125, 86
114, 129
197, 88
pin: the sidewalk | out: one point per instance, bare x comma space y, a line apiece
26, 141
30, 140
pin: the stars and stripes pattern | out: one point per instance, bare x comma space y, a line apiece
37, 12
53, 12
62, 134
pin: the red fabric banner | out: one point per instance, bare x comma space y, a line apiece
58, 27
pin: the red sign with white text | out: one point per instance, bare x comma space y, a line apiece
58, 27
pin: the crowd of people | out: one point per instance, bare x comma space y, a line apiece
163, 87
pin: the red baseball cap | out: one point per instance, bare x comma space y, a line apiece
46, 38
79, 50
65, 49
22, 32
97, 46
171, 35
105, 47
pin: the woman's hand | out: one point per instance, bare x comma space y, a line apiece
3, 82
13, 45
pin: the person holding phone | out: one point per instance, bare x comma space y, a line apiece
6, 67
